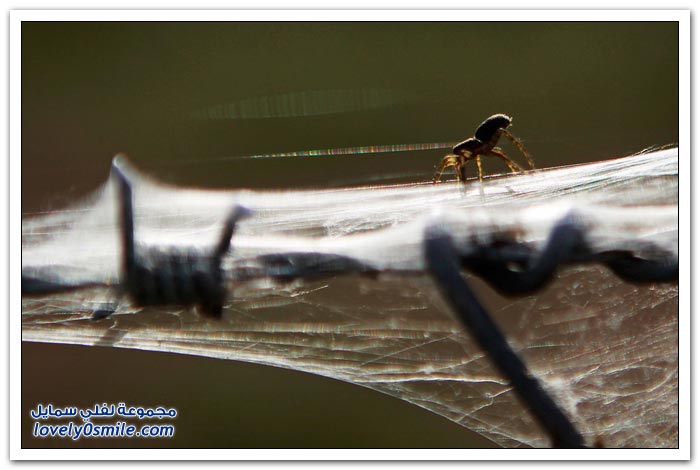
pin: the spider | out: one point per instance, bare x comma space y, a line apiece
483, 143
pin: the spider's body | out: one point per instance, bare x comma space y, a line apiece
483, 143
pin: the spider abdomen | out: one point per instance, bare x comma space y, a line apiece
488, 130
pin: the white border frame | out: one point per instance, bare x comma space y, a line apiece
17, 16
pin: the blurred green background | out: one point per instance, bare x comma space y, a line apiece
179, 97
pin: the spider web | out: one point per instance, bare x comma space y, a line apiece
605, 349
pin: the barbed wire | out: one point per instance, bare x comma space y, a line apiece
516, 247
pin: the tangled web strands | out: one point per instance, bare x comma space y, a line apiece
605, 348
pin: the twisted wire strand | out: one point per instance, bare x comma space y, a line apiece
156, 275
568, 235
511, 268
442, 261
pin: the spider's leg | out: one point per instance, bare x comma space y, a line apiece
462, 170
520, 146
447, 161
478, 165
514, 167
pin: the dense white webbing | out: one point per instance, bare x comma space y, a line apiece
606, 349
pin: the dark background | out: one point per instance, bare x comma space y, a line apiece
578, 92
